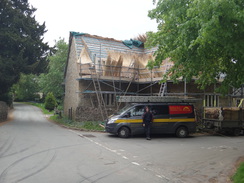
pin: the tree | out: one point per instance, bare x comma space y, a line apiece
204, 38
27, 88
53, 79
21, 42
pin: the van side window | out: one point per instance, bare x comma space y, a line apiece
137, 111
160, 109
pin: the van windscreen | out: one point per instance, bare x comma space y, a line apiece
123, 109
180, 109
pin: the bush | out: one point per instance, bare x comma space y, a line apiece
50, 102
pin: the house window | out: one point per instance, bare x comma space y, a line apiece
211, 100
109, 99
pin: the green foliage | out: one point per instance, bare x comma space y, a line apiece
87, 125
41, 106
150, 64
21, 42
92, 125
50, 102
53, 79
26, 89
204, 38
7, 97
239, 176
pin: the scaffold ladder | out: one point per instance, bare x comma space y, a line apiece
100, 100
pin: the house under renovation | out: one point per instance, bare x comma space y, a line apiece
103, 73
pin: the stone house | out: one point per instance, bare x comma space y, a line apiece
100, 70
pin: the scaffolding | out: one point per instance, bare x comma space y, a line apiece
100, 99
112, 69
129, 84
118, 81
114, 76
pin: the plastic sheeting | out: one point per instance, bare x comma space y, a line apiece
130, 43
77, 33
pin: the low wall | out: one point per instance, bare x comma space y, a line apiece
84, 113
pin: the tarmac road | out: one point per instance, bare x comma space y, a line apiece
32, 149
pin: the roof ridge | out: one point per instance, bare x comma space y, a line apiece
93, 36
104, 38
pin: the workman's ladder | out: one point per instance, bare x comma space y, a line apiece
162, 89
152, 99
97, 87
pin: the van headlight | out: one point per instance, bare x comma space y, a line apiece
112, 120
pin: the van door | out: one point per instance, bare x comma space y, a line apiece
135, 119
161, 118
182, 115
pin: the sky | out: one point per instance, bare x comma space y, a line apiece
118, 19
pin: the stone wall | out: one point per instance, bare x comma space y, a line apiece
71, 98
85, 113
3, 111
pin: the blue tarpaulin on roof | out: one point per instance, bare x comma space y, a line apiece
130, 43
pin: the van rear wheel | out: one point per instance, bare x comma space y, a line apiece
181, 132
124, 132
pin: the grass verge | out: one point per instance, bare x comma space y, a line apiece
41, 106
239, 175
87, 125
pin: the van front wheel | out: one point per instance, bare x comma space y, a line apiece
182, 132
124, 132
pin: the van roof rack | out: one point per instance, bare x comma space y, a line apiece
155, 99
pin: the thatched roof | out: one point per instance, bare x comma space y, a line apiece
114, 56
100, 46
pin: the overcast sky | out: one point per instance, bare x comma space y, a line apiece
119, 19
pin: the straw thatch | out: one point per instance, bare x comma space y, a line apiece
113, 66
119, 66
141, 37
133, 65
107, 67
84, 56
